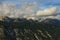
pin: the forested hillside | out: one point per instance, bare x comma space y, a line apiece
23, 29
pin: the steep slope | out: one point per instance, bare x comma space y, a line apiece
23, 29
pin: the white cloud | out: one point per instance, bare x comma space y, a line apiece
28, 10
11, 10
51, 12
6, 9
47, 11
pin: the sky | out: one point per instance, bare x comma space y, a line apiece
30, 8
41, 2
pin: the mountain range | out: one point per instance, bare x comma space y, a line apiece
47, 29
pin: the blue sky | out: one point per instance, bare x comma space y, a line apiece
42, 3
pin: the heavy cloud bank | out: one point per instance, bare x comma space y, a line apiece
29, 11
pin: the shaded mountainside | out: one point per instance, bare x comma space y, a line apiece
23, 29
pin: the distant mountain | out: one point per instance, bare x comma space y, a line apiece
52, 21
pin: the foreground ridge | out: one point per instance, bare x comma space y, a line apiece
23, 29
